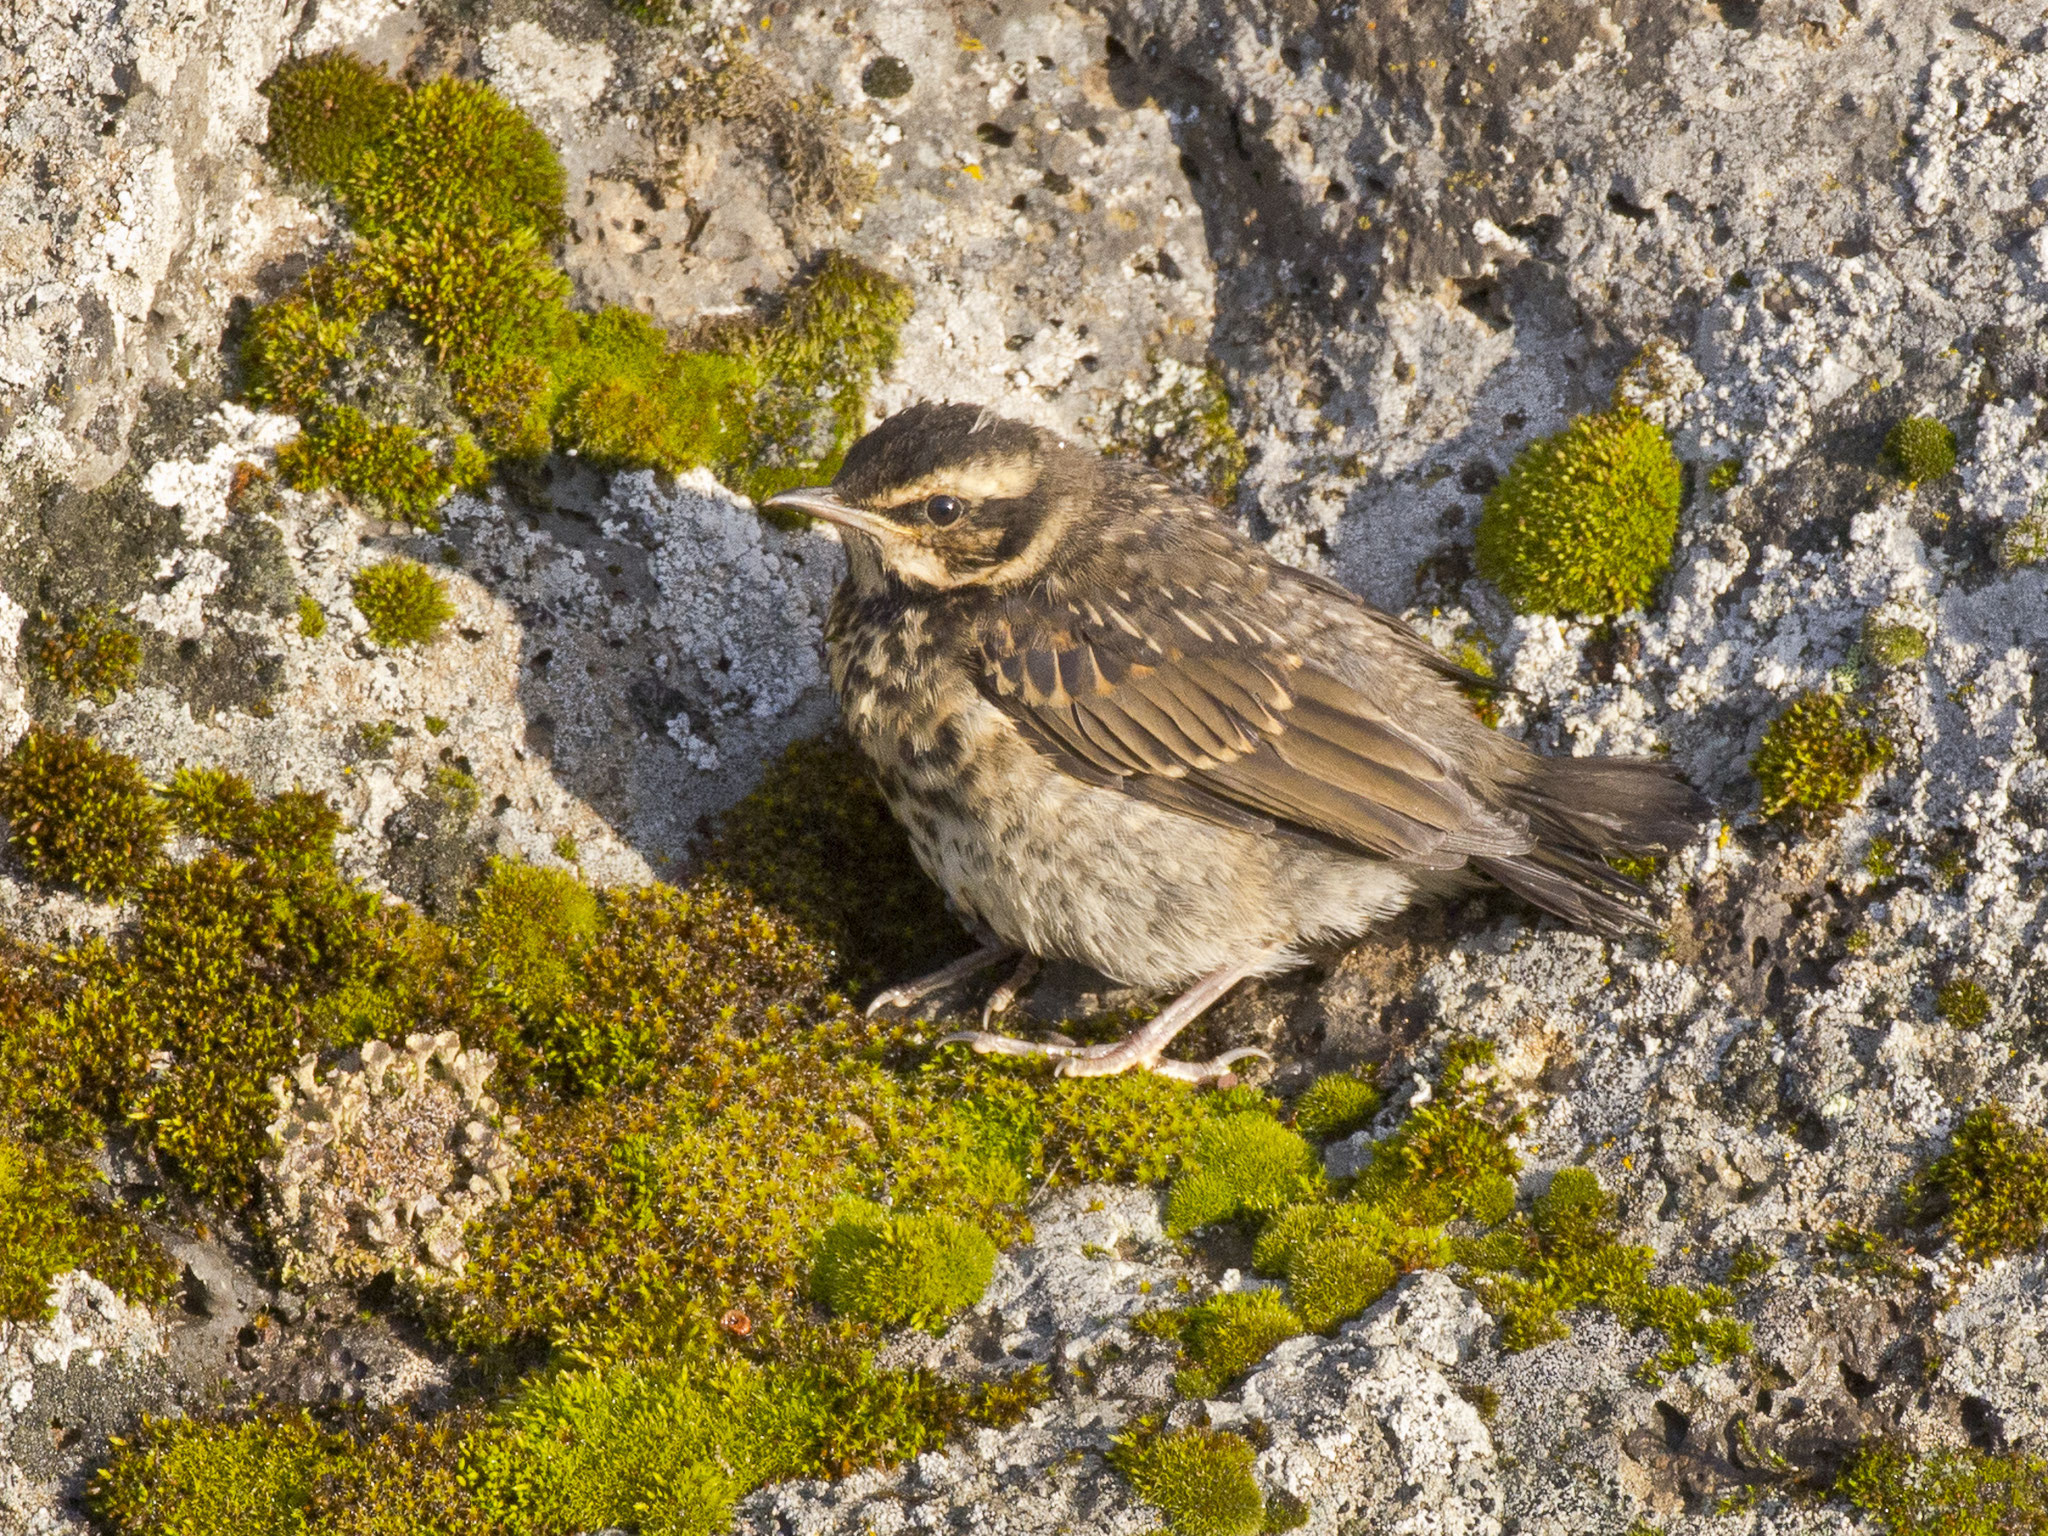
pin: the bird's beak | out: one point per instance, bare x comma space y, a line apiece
819, 501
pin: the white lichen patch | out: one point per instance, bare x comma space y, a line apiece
379, 1165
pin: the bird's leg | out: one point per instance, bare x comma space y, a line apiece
999, 1000
990, 951
1143, 1047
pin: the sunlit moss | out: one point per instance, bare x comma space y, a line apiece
188, 1477
456, 156
1584, 521
312, 618
1920, 448
1815, 758
529, 926
388, 463
1227, 1335
325, 111
1336, 1104
1990, 1189
54, 1217
900, 1271
1947, 1492
1964, 1003
404, 602
291, 346
93, 655
77, 814
1245, 1164
1200, 1479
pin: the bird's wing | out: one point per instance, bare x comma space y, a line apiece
1201, 704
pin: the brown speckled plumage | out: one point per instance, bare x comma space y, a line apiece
1117, 731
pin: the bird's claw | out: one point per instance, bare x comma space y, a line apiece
1107, 1060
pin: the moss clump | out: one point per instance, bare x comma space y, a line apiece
1340, 1259
1963, 1003
2025, 540
1200, 1479
312, 618
93, 656
1227, 1335
1990, 1189
389, 463
212, 803
290, 347
1920, 448
1893, 646
528, 929
1180, 424
911, 1271
455, 156
1724, 476
324, 112
53, 1218
187, 1477
79, 815
1451, 1156
1336, 1104
1245, 1164
405, 602
1947, 1492
1584, 522
1814, 759
815, 842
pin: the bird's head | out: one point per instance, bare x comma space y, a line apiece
946, 496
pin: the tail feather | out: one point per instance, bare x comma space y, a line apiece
1583, 810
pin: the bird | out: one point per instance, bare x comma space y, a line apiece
1118, 731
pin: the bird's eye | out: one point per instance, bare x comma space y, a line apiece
942, 510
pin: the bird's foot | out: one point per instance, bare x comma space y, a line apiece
999, 1000
990, 951
1108, 1060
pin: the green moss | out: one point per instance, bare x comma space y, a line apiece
188, 1477
633, 399
1245, 1164
1227, 1335
93, 656
2025, 540
1182, 427
1814, 759
1335, 1105
564, 848
815, 842
211, 802
1947, 1492
1339, 1259
1920, 448
456, 156
324, 112
1584, 522
1963, 1003
1451, 1156
405, 602
79, 815
1990, 1189
1751, 1262
474, 300
1200, 1479
1893, 645
1725, 475
312, 618
391, 464
291, 346
900, 1271
528, 928
54, 1217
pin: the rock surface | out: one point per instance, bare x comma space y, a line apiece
1407, 240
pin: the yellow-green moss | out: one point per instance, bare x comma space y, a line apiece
94, 655
189, 1477
405, 603
291, 346
1920, 448
77, 814
1893, 645
2025, 540
1725, 475
456, 156
815, 841
54, 1217
1336, 1104
324, 112
528, 927
1200, 1479
1947, 1492
1450, 1156
388, 463
1990, 1189
911, 1271
1584, 521
1963, 1002
1245, 1164
312, 618
1814, 759
1227, 1335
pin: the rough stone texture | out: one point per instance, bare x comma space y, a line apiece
1409, 239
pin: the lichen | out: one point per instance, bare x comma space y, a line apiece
1989, 1191
404, 602
900, 1271
1179, 422
1584, 521
1814, 759
1200, 1479
77, 814
1920, 448
1947, 1492
93, 655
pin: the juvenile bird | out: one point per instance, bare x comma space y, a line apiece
1118, 731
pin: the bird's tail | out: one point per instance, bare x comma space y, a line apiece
1583, 810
